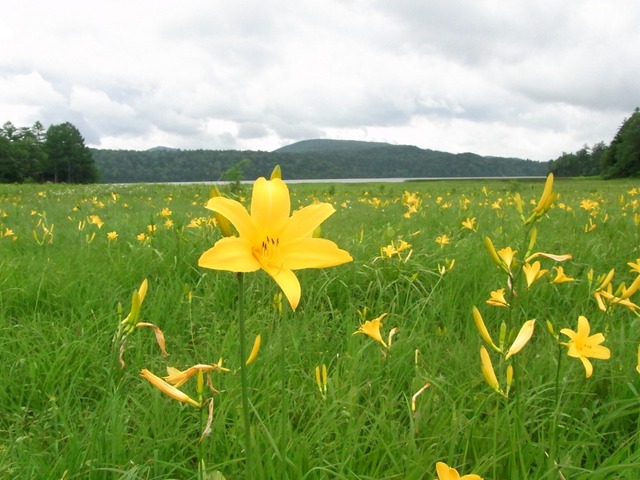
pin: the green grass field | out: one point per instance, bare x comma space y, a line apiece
69, 411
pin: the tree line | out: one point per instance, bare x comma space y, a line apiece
33, 154
59, 154
122, 166
619, 159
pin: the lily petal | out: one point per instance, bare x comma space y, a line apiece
600, 352
587, 366
232, 254
270, 205
288, 282
583, 326
234, 212
304, 221
313, 253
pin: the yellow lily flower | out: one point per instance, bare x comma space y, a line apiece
271, 239
585, 346
635, 266
168, 389
532, 272
638, 366
447, 473
497, 298
561, 277
523, 337
443, 240
506, 255
372, 329
470, 224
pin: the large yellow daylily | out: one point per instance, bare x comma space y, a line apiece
271, 239
445, 472
585, 346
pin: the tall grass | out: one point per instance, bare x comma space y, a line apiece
69, 411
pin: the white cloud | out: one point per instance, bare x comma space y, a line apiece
496, 77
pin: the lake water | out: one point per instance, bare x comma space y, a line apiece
364, 180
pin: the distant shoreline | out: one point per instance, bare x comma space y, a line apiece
344, 180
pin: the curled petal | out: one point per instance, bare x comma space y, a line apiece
159, 336
552, 256
288, 282
588, 367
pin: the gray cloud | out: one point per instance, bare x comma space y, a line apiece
526, 78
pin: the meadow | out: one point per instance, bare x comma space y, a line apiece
73, 257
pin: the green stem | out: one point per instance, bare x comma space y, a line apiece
201, 468
554, 418
283, 384
243, 377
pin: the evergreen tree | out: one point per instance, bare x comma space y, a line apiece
68, 159
622, 158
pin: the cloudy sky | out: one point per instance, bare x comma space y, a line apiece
526, 78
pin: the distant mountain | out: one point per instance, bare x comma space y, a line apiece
324, 145
160, 148
308, 159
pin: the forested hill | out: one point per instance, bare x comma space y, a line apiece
310, 159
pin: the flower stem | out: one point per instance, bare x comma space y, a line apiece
243, 377
284, 414
554, 418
